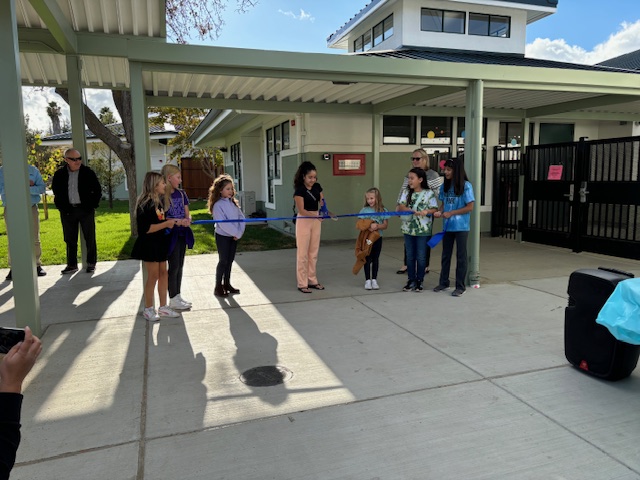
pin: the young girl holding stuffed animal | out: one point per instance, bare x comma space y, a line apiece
372, 205
152, 245
223, 205
419, 199
181, 236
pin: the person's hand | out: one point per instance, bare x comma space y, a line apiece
18, 362
373, 227
437, 214
446, 214
31, 183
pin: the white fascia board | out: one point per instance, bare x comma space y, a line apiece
341, 38
534, 12
224, 117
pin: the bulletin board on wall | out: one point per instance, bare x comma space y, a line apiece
349, 164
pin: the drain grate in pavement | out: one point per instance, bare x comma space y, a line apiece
266, 376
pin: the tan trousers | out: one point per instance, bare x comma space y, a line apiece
35, 215
308, 243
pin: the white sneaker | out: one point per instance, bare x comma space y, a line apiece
150, 314
186, 302
374, 284
165, 311
367, 285
176, 303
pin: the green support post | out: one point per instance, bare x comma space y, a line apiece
375, 144
16, 175
473, 161
140, 123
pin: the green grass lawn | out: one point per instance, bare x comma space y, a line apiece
115, 241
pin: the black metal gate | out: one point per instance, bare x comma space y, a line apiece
504, 210
584, 196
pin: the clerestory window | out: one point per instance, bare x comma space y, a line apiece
489, 25
447, 21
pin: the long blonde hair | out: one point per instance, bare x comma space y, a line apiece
215, 191
151, 181
379, 207
168, 170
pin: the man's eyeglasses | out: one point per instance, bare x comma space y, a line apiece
415, 159
74, 159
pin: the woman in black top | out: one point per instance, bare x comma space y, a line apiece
309, 199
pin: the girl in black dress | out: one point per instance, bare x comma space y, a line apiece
152, 244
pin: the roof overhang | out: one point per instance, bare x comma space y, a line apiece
535, 9
249, 81
216, 125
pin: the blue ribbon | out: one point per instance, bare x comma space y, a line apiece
272, 219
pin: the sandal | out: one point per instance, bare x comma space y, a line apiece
317, 286
304, 290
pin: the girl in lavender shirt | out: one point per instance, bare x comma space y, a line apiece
223, 206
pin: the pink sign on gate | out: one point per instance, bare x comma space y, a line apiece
555, 172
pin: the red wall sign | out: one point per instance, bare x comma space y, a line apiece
349, 164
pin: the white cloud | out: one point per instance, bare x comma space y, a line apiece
302, 17
36, 99
626, 40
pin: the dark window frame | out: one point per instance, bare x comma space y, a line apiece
383, 34
411, 133
278, 138
442, 20
488, 17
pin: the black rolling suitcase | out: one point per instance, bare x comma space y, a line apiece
587, 344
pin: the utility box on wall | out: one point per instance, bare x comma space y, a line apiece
247, 202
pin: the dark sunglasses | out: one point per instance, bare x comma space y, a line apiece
75, 159
416, 158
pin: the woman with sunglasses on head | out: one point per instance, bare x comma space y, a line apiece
457, 203
420, 159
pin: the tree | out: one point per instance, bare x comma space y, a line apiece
54, 113
202, 16
185, 120
45, 159
123, 149
108, 169
106, 116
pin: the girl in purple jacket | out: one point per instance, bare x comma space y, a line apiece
223, 205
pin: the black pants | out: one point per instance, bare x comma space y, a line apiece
85, 217
176, 262
460, 238
372, 262
226, 254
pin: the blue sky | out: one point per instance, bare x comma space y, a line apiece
304, 25
581, 31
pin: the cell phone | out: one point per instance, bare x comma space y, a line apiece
9, 337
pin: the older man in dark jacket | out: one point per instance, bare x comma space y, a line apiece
77, 194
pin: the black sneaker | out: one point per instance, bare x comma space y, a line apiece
40, 271
457, 293
419, 287
8, 278
91, 268
69, 269
409, 286
440, 288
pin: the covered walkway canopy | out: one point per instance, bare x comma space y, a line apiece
121, 45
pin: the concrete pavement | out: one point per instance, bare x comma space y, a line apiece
383, 384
